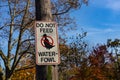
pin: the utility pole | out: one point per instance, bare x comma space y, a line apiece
43, 13
43, 10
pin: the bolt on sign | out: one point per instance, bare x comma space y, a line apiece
47, 48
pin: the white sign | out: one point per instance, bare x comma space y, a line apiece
47, 48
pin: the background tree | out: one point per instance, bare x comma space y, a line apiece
17, 33
114, 47
100, 63
72, 55
97, 66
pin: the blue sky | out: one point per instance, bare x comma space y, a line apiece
101, 20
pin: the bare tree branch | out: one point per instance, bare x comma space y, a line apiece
24, 68
12, 14
1, 27
17, 61
65, 11
27, 40
3, 57
20, 34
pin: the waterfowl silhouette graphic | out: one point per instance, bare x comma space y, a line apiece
47, 44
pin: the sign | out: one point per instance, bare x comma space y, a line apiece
47, 48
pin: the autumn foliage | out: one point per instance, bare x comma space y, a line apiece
24, 74
97, 66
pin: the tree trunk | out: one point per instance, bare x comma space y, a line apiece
1, 75
8, 73
43, 10
8, 76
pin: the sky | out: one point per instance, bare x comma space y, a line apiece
101, 20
